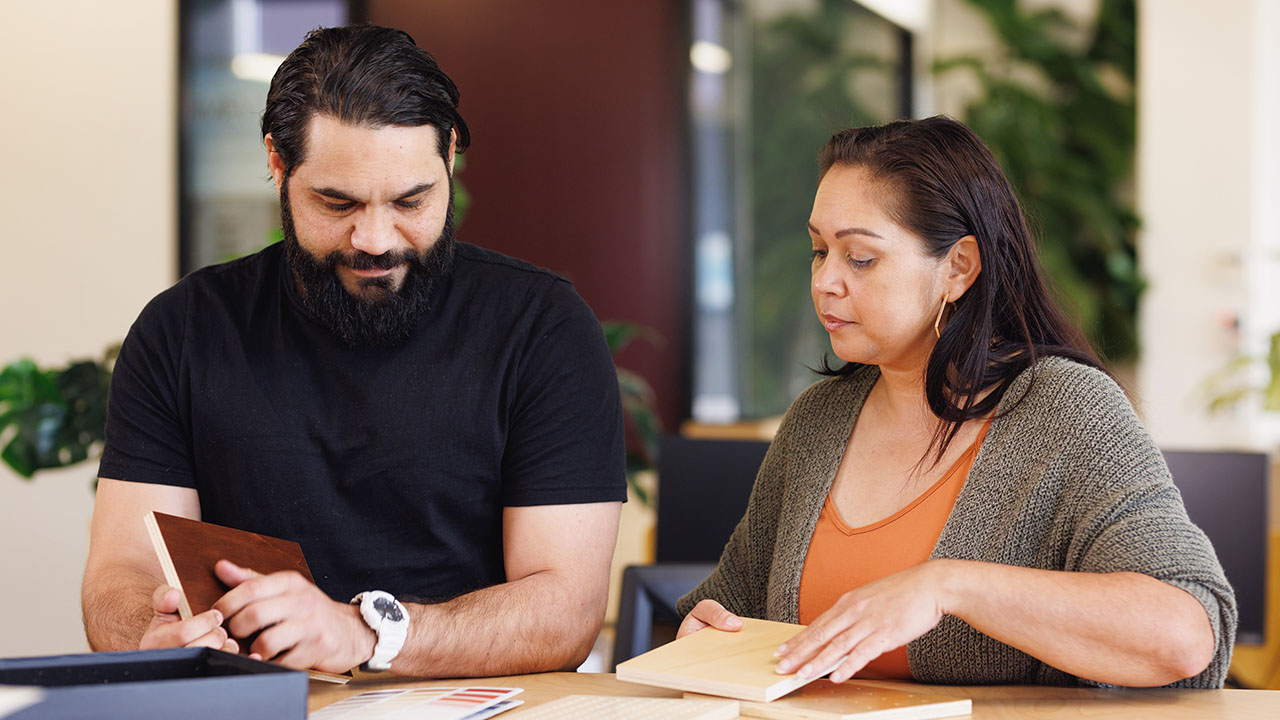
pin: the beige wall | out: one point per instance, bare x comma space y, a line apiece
87, 188
1207, 172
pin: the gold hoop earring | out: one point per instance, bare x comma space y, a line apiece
936, 331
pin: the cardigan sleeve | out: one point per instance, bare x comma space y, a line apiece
1128, 516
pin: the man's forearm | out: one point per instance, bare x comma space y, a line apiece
116, 604
535, 624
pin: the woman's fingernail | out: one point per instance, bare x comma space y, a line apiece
806, 672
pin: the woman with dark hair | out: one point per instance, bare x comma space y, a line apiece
970, 498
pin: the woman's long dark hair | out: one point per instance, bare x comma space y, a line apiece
944, 184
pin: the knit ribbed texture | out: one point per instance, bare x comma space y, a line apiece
1067, 479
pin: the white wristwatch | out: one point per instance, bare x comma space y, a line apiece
389, 620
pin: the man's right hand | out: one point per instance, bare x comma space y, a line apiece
708, 613
168, 630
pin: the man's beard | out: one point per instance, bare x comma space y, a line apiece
379, 316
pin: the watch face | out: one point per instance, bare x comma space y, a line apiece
388, 609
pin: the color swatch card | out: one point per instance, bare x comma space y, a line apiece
825, 700
601, 707
434, 703
714, 662
188, 550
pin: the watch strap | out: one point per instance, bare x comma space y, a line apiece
391, 633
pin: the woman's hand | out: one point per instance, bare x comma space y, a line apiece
864, 623
708, 613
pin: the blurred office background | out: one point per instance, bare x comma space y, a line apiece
660, 155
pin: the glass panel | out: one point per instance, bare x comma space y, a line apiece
717, 104
231, 48
800, 69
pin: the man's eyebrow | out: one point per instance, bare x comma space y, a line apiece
337, 194
848, 231
332, 193
416, 190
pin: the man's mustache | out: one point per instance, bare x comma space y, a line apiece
360, 260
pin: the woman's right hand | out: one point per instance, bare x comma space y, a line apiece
708, 613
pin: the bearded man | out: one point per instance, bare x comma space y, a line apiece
436, 424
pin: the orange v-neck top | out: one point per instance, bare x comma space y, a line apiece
842, 558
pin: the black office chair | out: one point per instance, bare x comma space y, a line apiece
647, 614
703, 486
1226, 495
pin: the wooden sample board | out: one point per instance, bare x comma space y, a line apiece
713, 662
605, 707
188, 550
825, 700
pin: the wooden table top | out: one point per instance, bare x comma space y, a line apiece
989, 701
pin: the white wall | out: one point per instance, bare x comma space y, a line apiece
1207, 170
87, 189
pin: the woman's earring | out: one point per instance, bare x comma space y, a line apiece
936, 330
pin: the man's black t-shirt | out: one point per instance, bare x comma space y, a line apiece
390, 466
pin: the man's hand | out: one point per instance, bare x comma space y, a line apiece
297, 624
708, 613
168, 630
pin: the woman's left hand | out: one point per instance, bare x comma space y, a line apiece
867, 622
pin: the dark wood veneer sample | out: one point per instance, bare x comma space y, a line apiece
189, 549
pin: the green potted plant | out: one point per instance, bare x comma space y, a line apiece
638, 410
1057, 107
1233, 384
52, 418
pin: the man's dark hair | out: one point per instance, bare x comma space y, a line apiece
942, 184
362, 75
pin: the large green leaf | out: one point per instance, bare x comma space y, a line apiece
1271, 393
1066, 139
639, 412
52, 418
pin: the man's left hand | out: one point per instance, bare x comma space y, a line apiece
298, 625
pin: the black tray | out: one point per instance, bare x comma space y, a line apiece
185, 683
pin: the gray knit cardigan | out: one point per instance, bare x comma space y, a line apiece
1066, 479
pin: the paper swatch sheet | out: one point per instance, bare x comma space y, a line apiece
600, 707
14, 698
435, 703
